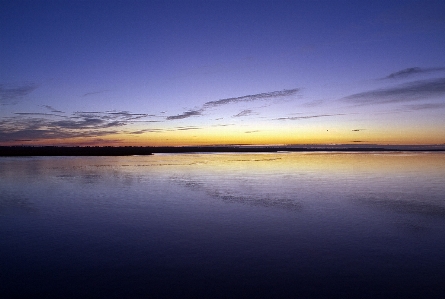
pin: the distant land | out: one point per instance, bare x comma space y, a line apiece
11, 151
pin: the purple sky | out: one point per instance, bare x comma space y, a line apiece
206, 72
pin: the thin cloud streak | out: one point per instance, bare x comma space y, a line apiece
308, 116
110, 115
186, 128
411, 91
425, 106
314, 103
10, 95
186, 114
254, 97
93, 93
246, 112
52, 109
35, 113
408, 72
227, 101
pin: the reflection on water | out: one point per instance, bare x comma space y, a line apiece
416, 203
314, 225
242, 190
13, 202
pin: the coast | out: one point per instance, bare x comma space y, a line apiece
142, 150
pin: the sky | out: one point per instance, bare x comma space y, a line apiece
174, 73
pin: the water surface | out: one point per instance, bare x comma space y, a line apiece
312, 225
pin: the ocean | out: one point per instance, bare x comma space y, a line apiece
224, 225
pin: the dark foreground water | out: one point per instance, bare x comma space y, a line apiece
296, 225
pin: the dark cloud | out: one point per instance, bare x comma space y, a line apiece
308, 116
186, 114
411, 91
27, 126
86, 123
41, 126
413, 71
253, 97
21, 123
138, 132
42, 134
10, 95
358, 130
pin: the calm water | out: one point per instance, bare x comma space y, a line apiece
308, 225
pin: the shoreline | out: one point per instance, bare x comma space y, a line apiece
20, 151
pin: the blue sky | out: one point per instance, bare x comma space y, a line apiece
222, 72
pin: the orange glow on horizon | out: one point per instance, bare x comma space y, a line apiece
242, 137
